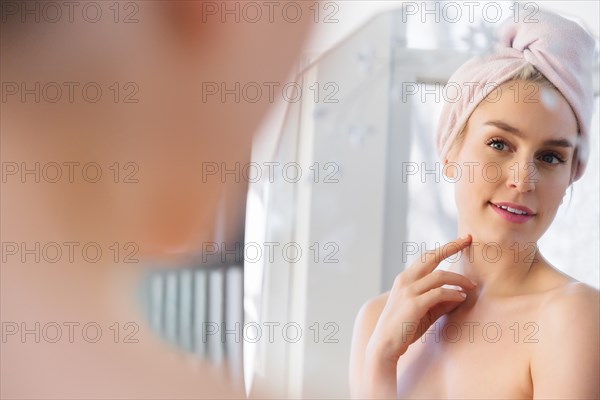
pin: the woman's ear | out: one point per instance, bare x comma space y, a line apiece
448, 171
449, 166
574, 166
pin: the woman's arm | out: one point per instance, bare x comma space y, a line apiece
565, 361
366, 374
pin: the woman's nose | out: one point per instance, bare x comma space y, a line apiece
522, 176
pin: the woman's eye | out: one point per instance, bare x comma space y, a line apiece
497, 144
551, 158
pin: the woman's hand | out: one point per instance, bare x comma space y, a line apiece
416, 300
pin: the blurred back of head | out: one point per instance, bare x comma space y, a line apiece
149, 93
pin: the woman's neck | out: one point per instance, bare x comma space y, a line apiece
499, 270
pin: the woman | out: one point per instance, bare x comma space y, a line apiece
510, 325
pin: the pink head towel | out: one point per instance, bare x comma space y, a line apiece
557, 47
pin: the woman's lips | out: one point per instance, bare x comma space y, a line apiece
511, 217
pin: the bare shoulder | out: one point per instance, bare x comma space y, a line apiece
564, 297
371, 310
571, 300
366, 320
570, 318
364, 325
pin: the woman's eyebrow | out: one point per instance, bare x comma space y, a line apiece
505, 127
512, 130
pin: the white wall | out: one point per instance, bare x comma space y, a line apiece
354, 13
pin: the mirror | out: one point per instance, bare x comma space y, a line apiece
357, 194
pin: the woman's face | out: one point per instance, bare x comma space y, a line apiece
518, 148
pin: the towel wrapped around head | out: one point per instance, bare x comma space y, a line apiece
558, 48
